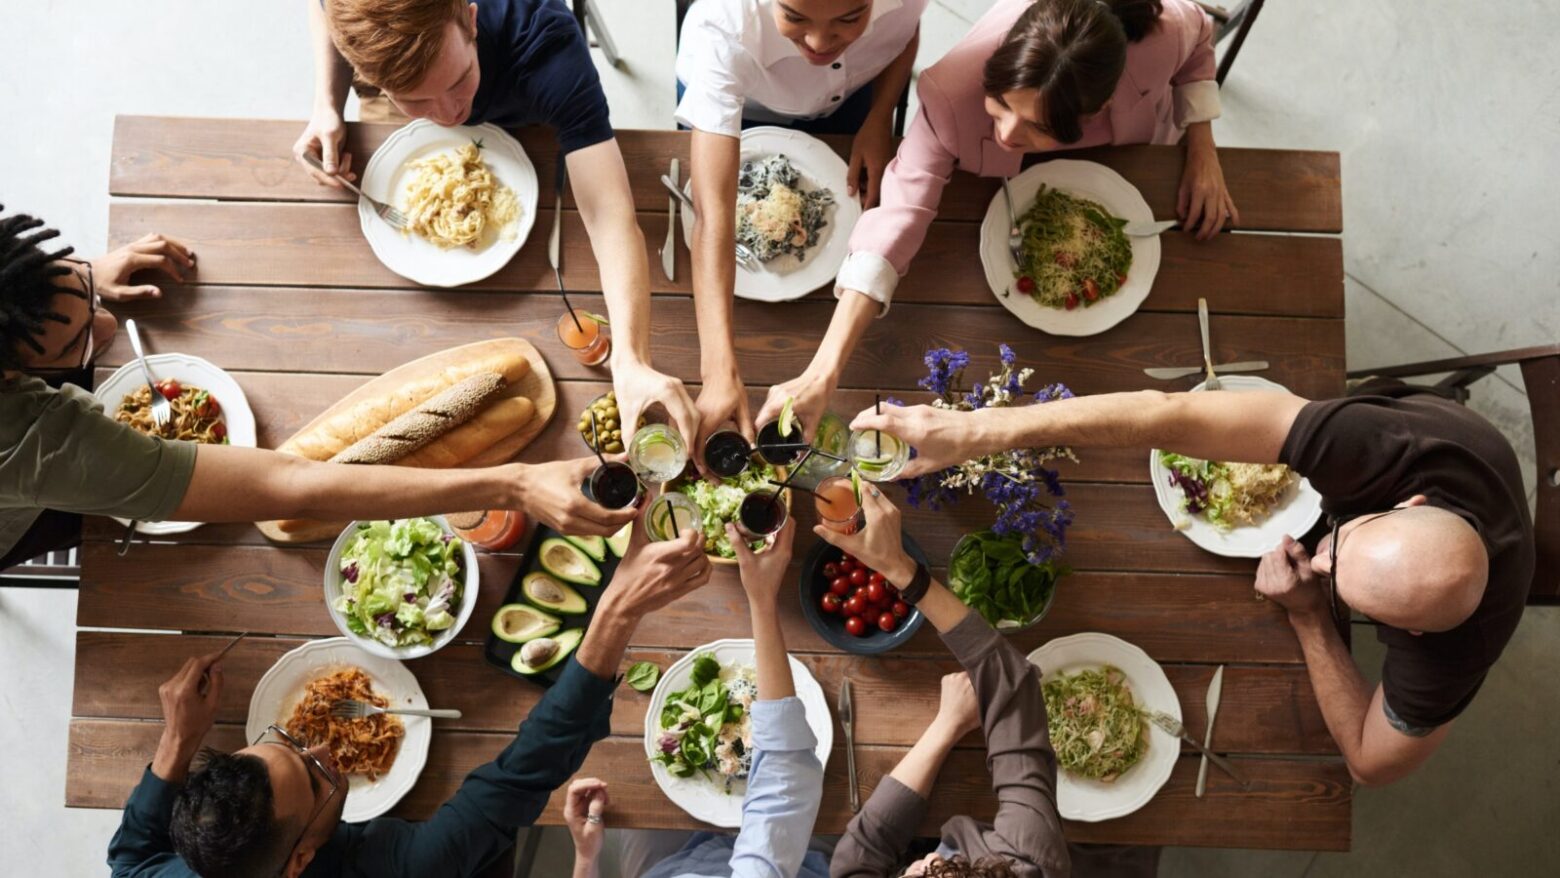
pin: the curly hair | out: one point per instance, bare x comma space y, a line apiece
1073, 53
224, 819
959, 867
27, 287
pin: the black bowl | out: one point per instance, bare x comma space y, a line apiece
832, 628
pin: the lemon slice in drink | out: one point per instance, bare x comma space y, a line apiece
787, 418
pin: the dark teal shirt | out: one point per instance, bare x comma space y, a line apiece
469, 831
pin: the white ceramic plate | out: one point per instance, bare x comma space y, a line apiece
1297, 512
468, 599
702, 798
410, 255
1085, 180
787, 277
282, 686
195, 372
1079, 798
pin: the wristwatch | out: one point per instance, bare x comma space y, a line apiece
919, 583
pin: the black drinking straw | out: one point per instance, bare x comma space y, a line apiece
595, 441
798, 487
877, 408
791, 446
787, 483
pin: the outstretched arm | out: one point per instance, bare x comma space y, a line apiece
326, 133
716, 159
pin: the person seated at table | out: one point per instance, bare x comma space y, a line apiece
274, 808
1032, 77
1430, 538
998, 691
62, 456
512, 63
785, 781
819, 66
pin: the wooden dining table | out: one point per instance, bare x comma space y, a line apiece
291, 301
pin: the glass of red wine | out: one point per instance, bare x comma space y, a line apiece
727, 453
762, 513
613, 485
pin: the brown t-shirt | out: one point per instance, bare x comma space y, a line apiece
1369, 453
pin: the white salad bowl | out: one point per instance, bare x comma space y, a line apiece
468, 599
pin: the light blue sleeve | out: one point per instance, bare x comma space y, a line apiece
785, 787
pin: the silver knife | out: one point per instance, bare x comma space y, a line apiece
1173, 727
1149, 229
1215, 689
669, 249
555, 239
846, 709
1169, 373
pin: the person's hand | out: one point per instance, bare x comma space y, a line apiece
810, 399
111, 271
325, 136
763, 573
940, 437
584, 806
958, 710
1204, 204
722, 400
189, 707
638, 386
653, 575
550, 493
1284, 577
880, 544
870, 152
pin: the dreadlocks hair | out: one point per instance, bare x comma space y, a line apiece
27, 287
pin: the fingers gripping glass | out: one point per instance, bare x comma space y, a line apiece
1337, 523
278, 736
83, 337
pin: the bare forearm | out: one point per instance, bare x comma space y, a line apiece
171, 762
586, 868
1341, 691
852, 315
606, 203
1199, 136
919, 768
606, 640
253, 484
715, 158
772, 665
332, 73
890, 84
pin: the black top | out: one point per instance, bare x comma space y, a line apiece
1367, 454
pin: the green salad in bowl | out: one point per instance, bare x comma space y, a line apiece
719, 503
402, 588
992, 576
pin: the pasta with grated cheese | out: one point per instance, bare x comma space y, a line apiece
452, 198
364, 746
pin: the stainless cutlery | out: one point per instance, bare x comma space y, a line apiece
350, 709
1172, 726
1215, 689
1213, 382
1015, 236
162, 411
1149, 228
846, 708
745, 257
384, 211
1169, 373
205, 678
555, 237
669, 249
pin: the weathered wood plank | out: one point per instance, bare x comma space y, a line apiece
1291, 803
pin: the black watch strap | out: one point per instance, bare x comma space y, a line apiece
919, 583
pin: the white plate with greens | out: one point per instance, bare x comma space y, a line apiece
1296, 511
1079, 797
388, 585
704, 795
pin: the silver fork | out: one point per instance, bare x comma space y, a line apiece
1015, 235
385, 212
1213, 382
162, 411
744, 255
351, 709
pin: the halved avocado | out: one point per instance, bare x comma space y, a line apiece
618, 542
519, 623
569, 562
545, 652
550, 594
596, 547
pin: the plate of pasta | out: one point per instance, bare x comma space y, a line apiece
792, 213
469, 193
379, 757
1113, 760
1081, 273
209, 408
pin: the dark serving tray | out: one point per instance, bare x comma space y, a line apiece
500, 652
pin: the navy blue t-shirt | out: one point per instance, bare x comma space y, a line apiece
536, 69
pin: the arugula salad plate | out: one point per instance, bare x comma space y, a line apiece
1087, 180
705, 795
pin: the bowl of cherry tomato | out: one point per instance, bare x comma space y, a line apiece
851, 605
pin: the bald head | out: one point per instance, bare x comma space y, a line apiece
1421, 568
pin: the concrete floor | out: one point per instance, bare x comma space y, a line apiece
1448, 119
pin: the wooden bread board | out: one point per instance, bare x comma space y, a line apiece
536, 385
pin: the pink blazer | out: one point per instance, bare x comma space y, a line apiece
1168, 83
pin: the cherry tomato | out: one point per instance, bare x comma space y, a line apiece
876, 577
851, 558
839, 585
875, 592
901, 609
892, 591
831, 570
855, 626
1072, 301
887, 621
830, 603
1120, 279
219, 430
855, 606
1026, 284
858, 576
170, 389
1091, 290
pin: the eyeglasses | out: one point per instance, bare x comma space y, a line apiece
1337, 523
84, 336
310, 762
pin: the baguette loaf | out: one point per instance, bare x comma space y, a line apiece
503, 418
330, 436
426, 422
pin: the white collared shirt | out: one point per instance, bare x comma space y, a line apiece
733, 63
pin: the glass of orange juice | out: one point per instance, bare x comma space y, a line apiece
585, 337
838, 508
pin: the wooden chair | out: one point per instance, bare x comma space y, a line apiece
1541, 375
1233, 21
593, 22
